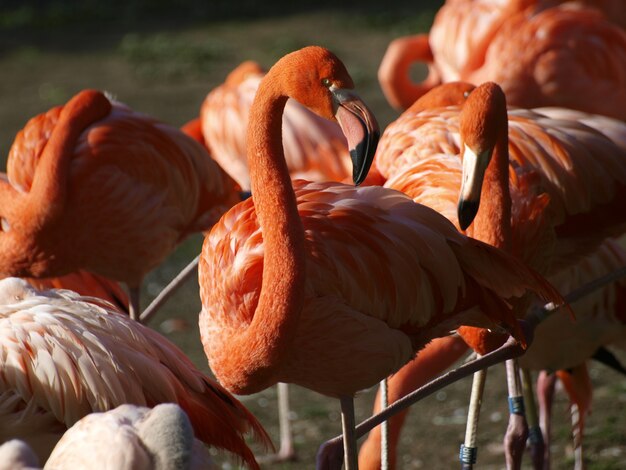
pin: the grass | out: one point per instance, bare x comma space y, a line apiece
163, 62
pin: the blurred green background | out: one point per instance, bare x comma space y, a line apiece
161, 58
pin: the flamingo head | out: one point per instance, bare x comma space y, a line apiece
316, 78
483, 122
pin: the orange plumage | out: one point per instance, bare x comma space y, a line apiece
315, 148
286, 277
567, 55
94, 185
88, 285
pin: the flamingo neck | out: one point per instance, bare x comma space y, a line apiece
395, 73
281, 299
492, 224
49, 188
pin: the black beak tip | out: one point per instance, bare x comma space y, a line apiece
466, 213
362, 157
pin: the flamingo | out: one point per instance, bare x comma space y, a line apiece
64, 356
143, 438
567, 55
419, 152
364, 264
315, 148
94, 185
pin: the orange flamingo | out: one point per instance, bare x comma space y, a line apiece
64, 356
473, 41
94, 185
315, 148
419, 155
285, 277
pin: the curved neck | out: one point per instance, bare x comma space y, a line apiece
281, 299
49, 188
493, 220
395, 71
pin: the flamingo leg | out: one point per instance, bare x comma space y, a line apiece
286, 451
535, 438
438, 355
468, 451
348, 425
517, 431
134, 295
579, 461
545, 395
384, 427
331, 451
169, 290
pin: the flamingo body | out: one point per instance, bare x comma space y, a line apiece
115, 196
428, 276
64, 356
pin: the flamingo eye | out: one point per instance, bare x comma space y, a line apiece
326, 82
466, 94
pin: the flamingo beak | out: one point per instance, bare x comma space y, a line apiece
474, 167
360, 128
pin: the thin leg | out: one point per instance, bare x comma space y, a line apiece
579, 462
467, 455
134, 294
286, 451
517, 431
384, 428
349, 436
330, 452
545, 396
430, 362
535, 439
169, 290
577, 384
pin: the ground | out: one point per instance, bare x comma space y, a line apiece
163, 62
